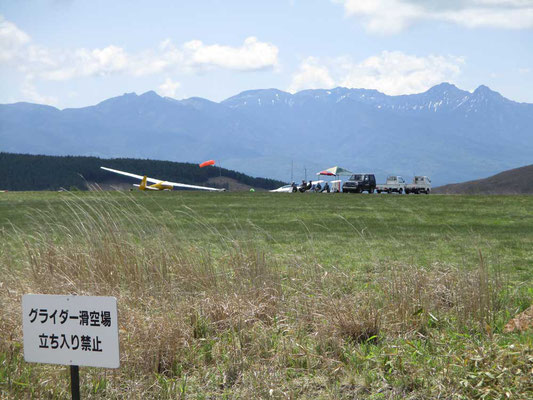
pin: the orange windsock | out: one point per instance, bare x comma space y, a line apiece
206, 163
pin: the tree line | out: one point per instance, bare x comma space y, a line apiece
39, 172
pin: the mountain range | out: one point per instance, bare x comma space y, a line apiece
447, 133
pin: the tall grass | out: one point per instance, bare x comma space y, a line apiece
227, 316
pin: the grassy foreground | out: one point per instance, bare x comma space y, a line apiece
255, 295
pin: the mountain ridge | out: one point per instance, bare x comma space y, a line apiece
514, 181
445, 132
444, 86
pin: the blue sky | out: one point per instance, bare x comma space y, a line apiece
71, 53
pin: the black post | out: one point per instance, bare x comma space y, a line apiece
75, 382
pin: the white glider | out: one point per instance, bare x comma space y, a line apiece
158, 184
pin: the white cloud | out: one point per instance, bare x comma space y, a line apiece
311, 75
40, 63
34, 55
169, 87
518, 18
29, 93
392, 73
84, 62
154, 61
392, 16
383, 16
12, 39
398, 73
252, 55
192, 56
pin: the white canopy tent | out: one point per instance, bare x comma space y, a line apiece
335, 171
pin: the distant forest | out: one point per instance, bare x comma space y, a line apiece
37, 172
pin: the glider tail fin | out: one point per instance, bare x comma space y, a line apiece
142, 186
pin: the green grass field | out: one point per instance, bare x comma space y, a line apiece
258, 295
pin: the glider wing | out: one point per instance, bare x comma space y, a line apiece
116, 171
184, 185
153, 180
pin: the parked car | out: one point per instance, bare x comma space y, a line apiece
393, 184
421, 184
359, 183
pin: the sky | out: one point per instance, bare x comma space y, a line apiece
74, 53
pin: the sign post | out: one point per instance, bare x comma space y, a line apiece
71, 330
75, 382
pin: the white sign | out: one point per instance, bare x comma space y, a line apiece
70, 330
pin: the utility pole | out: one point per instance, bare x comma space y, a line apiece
305, 172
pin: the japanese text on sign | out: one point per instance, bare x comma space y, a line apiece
72, 330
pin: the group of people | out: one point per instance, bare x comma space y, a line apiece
310, 187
